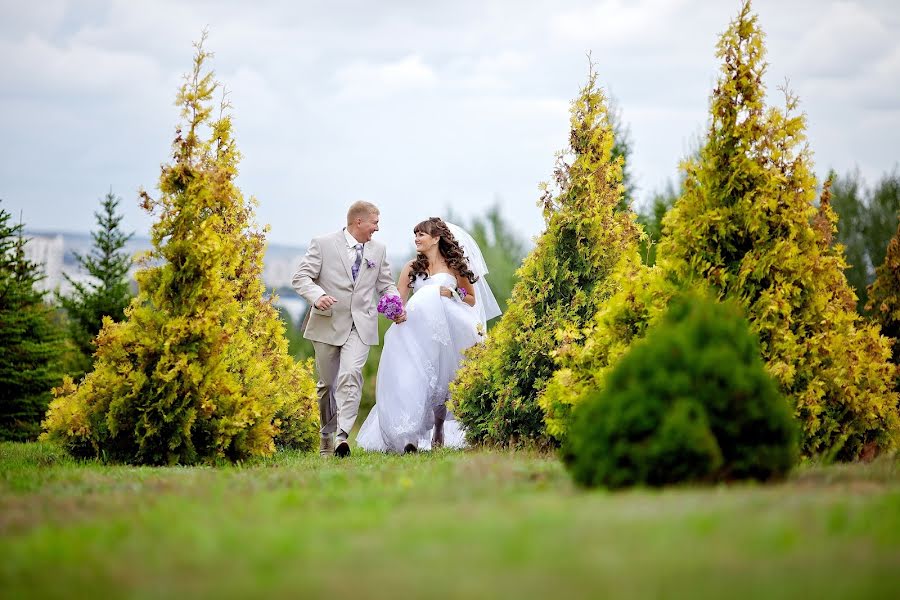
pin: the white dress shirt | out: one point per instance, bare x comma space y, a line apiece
351, 245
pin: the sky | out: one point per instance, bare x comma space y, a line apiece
419, 107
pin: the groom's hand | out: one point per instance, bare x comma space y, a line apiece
325, 302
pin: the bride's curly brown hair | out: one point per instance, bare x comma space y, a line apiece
447, 246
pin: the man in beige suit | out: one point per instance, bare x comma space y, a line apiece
339, 277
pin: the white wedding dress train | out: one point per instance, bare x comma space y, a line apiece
419, 360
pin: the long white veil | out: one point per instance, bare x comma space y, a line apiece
484, 298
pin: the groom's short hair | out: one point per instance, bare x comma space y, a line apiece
359, 210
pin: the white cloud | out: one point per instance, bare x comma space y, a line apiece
619, 22
361, 80
843, 41
38, 66
414, 105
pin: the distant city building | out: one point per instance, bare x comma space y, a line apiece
56, 252
47, 251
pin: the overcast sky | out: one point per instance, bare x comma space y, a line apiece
413, 105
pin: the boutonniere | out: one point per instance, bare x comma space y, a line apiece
370, 263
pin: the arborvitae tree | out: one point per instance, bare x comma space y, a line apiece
884, 295
30, 341
199, 368
747, 224
559, 287
107, 295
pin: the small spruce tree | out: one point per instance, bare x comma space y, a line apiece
31, 344
108, 294
559, 287
199, 368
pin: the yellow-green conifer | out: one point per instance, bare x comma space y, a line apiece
747, 225
199, 370
560, 284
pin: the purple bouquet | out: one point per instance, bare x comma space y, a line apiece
390, 306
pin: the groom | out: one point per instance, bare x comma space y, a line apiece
338, 277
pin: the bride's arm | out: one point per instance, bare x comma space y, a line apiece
403, 282
464, 283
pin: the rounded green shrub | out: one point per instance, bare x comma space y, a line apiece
691, 402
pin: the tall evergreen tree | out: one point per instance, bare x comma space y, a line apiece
867, 220
560, 284
747, 226
848, 200
107, 295
883, 209
30, 341
884, 296
199, 368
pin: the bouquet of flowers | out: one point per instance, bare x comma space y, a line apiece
458, 293
390, 306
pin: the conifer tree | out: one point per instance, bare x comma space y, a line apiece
868, 219
30, 341
747, 225
560, 284
848, 200
108, 294
884, 295
199, 368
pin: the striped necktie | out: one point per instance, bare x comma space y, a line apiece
355, 269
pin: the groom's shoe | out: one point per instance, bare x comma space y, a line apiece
410, 449
326, 444
342, 449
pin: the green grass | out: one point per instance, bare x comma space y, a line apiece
447, 524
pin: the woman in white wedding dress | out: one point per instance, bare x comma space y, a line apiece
448, 312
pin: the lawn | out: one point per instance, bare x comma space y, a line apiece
446, 524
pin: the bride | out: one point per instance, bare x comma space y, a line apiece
447, 313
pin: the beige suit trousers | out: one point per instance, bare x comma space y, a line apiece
340, 383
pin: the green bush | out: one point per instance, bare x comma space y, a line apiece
690, 402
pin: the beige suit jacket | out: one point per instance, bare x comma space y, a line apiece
326, 270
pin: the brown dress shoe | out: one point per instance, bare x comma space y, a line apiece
326, 444
342, 449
